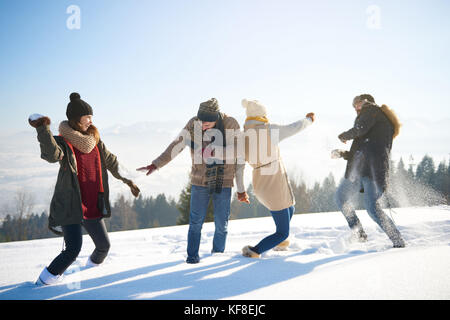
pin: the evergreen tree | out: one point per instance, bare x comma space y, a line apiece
302, 197
447, 184
440, 177
316, 198
165, 210
401, 171
184, 205
123, 217
8, 229
329, 191
139, 206
411, 173
255, 209
405, 188
425, 171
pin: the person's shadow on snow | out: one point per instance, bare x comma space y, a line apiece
71, 286
235, 276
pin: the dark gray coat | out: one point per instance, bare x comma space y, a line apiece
65, 206
372, 136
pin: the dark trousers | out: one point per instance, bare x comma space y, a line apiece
73, 239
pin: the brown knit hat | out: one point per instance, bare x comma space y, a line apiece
209, 110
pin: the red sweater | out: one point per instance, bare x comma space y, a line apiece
89, 178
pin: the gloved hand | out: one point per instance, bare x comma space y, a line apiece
208, 152
243, 197
341, 138
134, 189
149, 169
311, 116
336, 154
37, 120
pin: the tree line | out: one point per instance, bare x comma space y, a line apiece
425, 185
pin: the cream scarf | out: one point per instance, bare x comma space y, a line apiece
84, 143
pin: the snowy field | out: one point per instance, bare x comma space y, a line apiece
321, 263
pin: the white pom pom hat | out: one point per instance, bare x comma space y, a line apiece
254, 108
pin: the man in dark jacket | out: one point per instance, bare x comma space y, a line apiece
368, 166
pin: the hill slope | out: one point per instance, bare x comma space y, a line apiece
321, 263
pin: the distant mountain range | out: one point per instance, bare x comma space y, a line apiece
306, 156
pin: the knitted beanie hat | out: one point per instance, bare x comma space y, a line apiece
77, 107
209, 110
254, 108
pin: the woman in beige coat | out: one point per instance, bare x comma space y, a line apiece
270, 183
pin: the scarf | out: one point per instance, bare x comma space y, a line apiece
84, 143
262, 119
214, 170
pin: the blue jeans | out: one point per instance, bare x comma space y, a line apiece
199, 204
347, 192
282, 220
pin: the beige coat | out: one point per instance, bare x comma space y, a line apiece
270, 182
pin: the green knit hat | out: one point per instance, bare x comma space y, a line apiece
209, 110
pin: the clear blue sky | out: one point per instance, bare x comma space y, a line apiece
157, 60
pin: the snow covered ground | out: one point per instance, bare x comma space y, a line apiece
321, 263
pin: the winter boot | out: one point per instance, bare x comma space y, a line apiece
193, 260
247, 251
398, 243
359, 234
282, 246
90, 264
389, 227
46, 278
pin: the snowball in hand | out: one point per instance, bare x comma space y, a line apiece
35, 116
336, 154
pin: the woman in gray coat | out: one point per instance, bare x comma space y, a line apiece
81, 196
